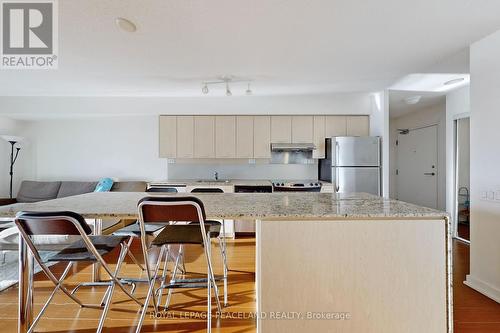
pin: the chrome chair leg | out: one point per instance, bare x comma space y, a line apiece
163, 276
224, 266
150, 292
61, 280
173, 276
111, 288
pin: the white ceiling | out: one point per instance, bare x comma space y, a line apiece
398, 107
287, 46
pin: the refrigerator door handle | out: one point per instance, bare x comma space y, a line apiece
337, 153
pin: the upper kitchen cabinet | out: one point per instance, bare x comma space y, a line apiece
168, 136
244, 137
319, 136
358, 126
185, 136
262, 137
281, 129
302, 129
204, 137
225, 136
335, 126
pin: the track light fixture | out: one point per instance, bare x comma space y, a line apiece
226, 80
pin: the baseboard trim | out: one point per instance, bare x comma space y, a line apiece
483, 287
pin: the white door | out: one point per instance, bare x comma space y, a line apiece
417, 158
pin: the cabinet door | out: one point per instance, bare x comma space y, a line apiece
302, 129
319, 136
262, 137
281, 129
358, 125
335, 126
204, 137
244, 136
225, 136
168, 136
185, 135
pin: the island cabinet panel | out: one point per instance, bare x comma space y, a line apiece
225, 136
204, 136
302, 129
353, 275
185, 136
281, 129
244, 136
319, 136
262, 137
168, 136
358, 126
336, 126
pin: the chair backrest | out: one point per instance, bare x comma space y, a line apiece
207, 190
51, 223
172, 208
162, 189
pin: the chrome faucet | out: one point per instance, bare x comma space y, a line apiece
216, 175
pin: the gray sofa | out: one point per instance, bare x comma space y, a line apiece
34, 191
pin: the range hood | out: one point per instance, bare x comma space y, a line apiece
292, 153
292, 147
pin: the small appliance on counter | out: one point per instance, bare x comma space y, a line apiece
352, 164
297, 186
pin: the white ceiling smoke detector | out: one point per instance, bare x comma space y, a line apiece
125, 24
413, 99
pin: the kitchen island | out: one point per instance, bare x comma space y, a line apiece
325, 262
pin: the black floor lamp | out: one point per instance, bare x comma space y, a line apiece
13, 140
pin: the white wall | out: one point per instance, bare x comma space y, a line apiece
70, 107
457, 105
379, 126
419, 118
10, 127
88, 138
485, 171
463, 153
91, 148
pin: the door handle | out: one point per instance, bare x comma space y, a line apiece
429, 174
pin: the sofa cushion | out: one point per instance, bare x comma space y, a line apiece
32, 191
74, 188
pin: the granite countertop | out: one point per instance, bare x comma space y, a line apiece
263, 206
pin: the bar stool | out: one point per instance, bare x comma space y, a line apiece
184, 211
88, 248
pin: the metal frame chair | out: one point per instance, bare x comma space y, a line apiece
89, 248
179, 209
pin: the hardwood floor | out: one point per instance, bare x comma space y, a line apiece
473, 312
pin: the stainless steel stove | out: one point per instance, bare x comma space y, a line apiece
297, 186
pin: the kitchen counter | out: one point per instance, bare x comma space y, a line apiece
357, 262
250, 206
234, 182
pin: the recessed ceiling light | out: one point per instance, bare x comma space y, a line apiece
454, 81
413, 99
125, 25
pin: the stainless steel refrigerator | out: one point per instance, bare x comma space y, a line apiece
352, 164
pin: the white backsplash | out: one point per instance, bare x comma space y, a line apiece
232, 170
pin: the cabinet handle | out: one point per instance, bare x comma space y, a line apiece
429, 174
